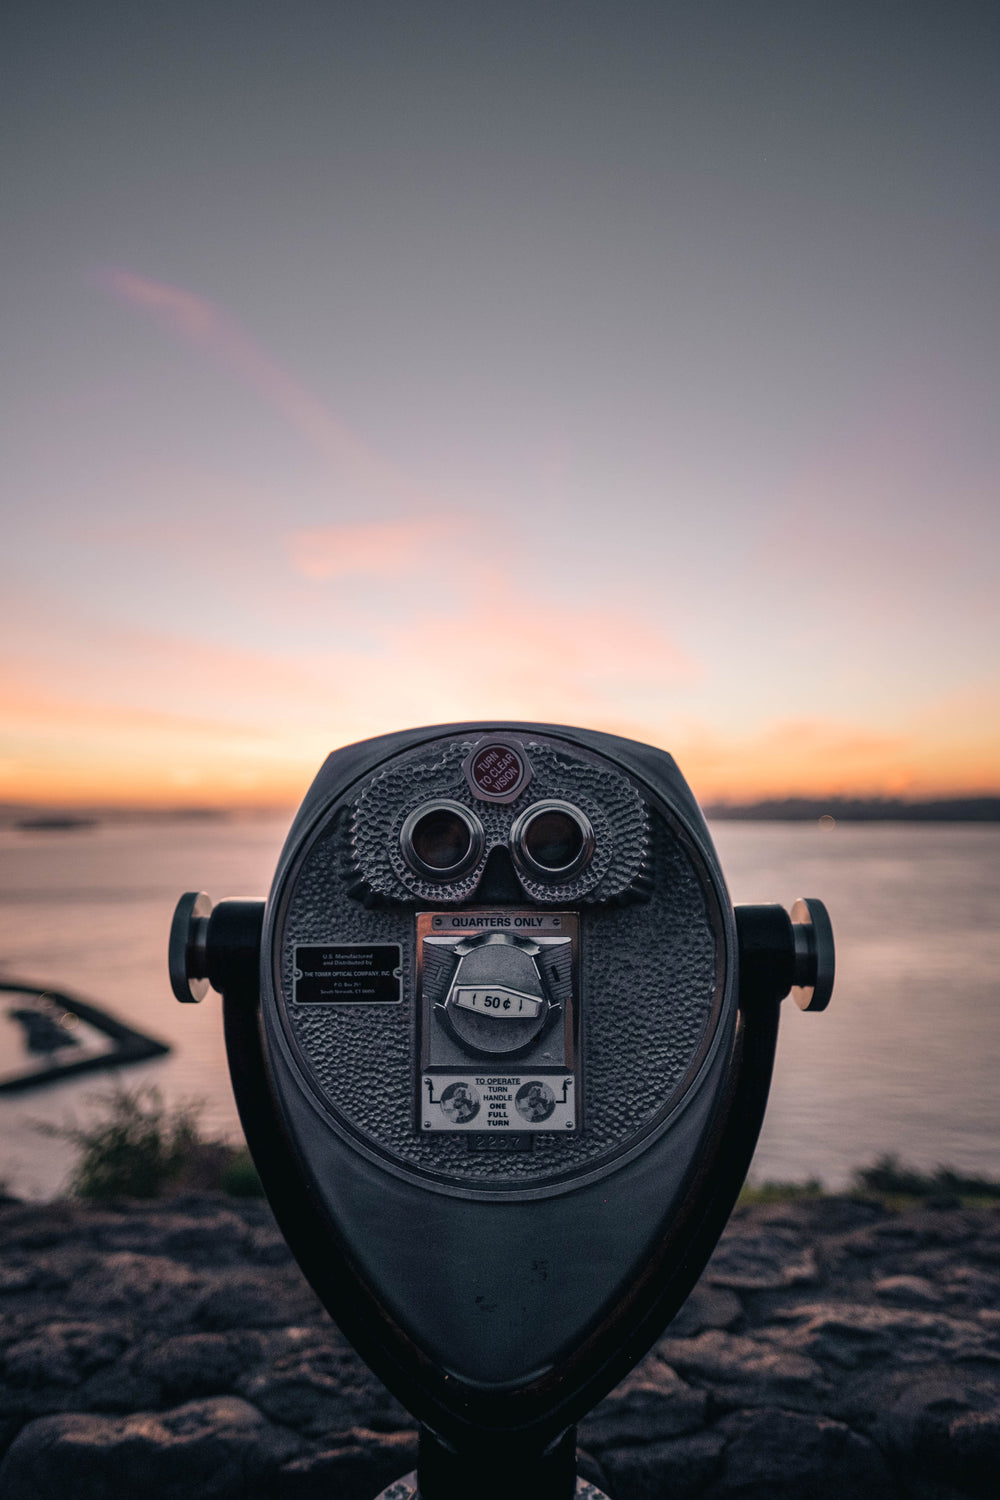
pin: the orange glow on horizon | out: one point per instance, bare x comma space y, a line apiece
113, 765
120, 717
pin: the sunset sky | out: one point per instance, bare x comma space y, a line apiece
375, 364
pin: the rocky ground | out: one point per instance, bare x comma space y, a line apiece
173, 1352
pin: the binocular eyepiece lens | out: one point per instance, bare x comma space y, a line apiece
552, 839
441, 839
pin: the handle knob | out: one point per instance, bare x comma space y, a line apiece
188, 949
814, 954
217, 945
782, 954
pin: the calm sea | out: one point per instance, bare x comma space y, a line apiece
907, 1058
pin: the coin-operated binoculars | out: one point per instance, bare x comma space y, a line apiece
501, 1049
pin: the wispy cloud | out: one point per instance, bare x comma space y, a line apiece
205, 324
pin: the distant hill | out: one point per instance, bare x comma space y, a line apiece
31, 818
861, 810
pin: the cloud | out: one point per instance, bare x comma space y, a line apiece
95, 706
499, 638
383, 548
480, 626
206, 325
98, 712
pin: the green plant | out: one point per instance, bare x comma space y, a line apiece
142, 1148
889, 1177
781, 1192
240, 1178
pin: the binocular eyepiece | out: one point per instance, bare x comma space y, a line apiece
549, 840
501, 1048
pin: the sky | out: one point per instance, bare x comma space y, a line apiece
374, 364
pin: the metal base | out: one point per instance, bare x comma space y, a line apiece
406, 1489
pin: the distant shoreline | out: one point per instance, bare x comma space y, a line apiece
26, 818
858, 810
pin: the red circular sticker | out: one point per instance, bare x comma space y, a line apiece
496, 770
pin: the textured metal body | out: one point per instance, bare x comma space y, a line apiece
608, 797
652, 980
496, 1264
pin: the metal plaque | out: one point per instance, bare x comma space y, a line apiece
348, 974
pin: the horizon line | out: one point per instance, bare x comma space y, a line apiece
962, 807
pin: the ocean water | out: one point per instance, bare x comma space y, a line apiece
906, 1059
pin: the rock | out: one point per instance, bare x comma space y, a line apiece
201, 1239
974, 1451
150, 1287
851, 1334
219, 1449
905, 1235
15, 1276
310, 1400
192, 1364
247, 1299
216, 1241
266, 1247
944, 1425
117, 1388
751, 1260
589, 1469
358, 1469
908, 1291
830, 1345
680, 1469
44, 1270
780, 1455
651, 1404
964, 1283
35, 1226
62, 1353
706, 1307
834, 1214
742, 1369
322, 1390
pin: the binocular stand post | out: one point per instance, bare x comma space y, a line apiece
495, 1473
444, 1475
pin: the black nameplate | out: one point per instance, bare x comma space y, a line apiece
348, 974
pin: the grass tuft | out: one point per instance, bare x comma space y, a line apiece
781, 1192
140, 1147
888, 1181
888, 1177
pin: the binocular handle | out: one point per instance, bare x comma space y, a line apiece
780, 953
213, 945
